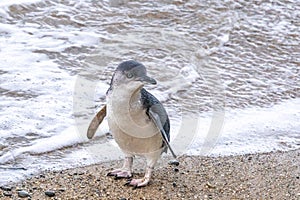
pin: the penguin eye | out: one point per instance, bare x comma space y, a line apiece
129, 75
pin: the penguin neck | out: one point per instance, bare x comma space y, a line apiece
136, 95
126, 96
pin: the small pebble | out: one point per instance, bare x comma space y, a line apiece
176, 170
50, 193
174, 184
7, 194
174, 162
23, 194
62, 189
42, 176
5, 188
209, 185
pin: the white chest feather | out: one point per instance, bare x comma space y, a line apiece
132, 129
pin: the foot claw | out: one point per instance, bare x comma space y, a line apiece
135, 187
110, 174
127, 183
129, 179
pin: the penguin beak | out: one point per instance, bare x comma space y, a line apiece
147, 79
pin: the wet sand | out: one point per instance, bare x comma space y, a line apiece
257, 176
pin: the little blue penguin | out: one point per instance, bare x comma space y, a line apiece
137, 120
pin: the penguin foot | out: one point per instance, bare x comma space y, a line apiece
137, 183
120, 173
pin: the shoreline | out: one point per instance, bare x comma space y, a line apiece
272, 175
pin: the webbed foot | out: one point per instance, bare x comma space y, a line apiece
120, 173
137, 183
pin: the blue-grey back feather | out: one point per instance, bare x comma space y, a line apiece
151, 102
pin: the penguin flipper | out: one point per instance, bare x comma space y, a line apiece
96, 121
155, 118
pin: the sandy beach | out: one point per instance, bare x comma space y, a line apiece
257, 176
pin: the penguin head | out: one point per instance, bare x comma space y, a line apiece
132, 75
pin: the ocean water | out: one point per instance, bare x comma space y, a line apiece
228, 74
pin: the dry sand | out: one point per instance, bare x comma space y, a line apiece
257, 176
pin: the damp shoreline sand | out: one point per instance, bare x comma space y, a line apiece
272, 175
